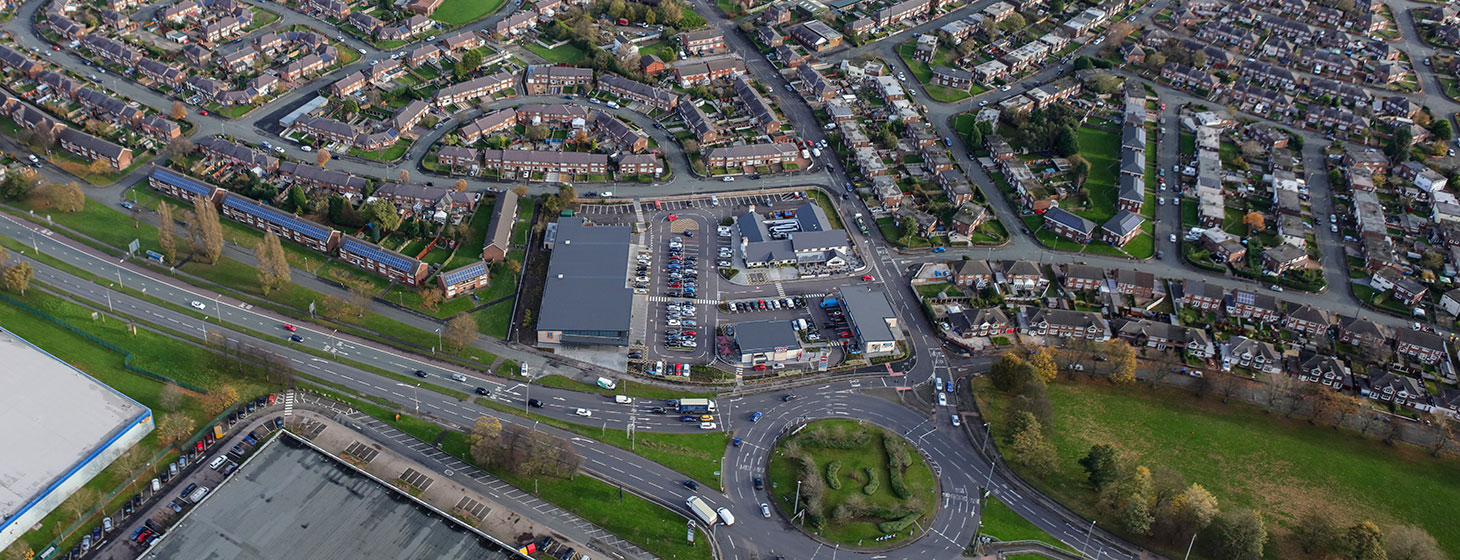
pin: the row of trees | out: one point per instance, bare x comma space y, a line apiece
1159, 502
521, 450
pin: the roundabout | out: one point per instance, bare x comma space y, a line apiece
852, 483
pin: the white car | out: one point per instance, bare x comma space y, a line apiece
942, 399
672, 322
765, 511
1173, 238
956, 421
1006, 88
197, 305
707, 425
583, 412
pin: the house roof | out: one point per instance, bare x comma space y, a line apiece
1084, 272
1069, 219
1124, 222
504, 214
755, 337
278, 218
381, 255
471, 271
183, 182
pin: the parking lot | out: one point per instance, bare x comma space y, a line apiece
683, 247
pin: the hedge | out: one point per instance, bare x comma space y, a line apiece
872, 482
819, 438
898, 525
832, 479
896, 459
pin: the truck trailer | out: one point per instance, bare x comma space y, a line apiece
702, 510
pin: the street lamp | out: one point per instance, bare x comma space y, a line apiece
796, 509
1189, 545
1090, 531
439, 344
415, 394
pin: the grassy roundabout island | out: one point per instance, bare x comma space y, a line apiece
849, 495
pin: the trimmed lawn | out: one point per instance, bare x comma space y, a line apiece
1283, 468
1102, 149
1002, 523
565, 54
932, 290
783, 472
637, 390
461, 12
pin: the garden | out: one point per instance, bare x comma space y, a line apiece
857, 483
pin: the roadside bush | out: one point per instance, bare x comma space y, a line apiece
898, 525
872, 483
896, 460
825, 439
832, 479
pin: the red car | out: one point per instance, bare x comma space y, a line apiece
272, 397
203, 112
674, 284
844, 334
759, 367
673, 217
689, 333
200, 446
867, 277
289, 327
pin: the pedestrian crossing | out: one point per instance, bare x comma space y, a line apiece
289, 404
698, 301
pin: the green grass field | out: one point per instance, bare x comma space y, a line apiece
782, 473
461, 12
1283, 468
565, 54
1102, 149
636, 390
1003, 523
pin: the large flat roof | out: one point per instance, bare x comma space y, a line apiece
56, 418
291, 501
587, 281
870, 311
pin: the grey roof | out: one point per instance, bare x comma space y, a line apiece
1124, 222
183, 182
1065, 217
288, 221
504, 214
869, 311
290, 497
755, 337
1132, 188
45, 447
1286, 252
103, 147
471, 271
380, 255
1133, 162
1084, 272
587, 281
954, 73
1133, 138
812, 218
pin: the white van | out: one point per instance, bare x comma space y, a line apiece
607, 383
726, 516
621, 399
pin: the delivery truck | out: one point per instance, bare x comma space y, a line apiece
702, 510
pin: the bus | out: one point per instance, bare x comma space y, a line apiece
696, 406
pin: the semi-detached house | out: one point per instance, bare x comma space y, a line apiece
474, 89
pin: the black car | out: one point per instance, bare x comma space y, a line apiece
483, 392
421, 374
295, 338
658, 410
636, 355
788, 398
692, 485
127, 508
136, 501
534, 403
759, 483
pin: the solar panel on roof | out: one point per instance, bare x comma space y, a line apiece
278, 218
465, 273
382, 256
183, 182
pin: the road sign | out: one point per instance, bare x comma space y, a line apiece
690, 532
134, 246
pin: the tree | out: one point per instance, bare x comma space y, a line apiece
1363, 541
1442, 129
1101, 465
63, 197
430, 297
1029, 448
460, 331
537, 133
18, 277
14, 187
1080, 169
1155, 60
174, 427
171, 397
1191, 510
167, 232
461, 185
81, 501
1136, 515
990, 28
219, 399
273, 269
1014, 22
1067, 142
1241, 535
1407, 542
297, 199
321, 157
1122, 360
1254, 221
99, 166
1011, 372
179, 111
1199, 59
1056, 7
1042, 362
179, 146
1442, 433
382, 213
1398, 146
350, 106
19, 551
520, 190
206, 232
